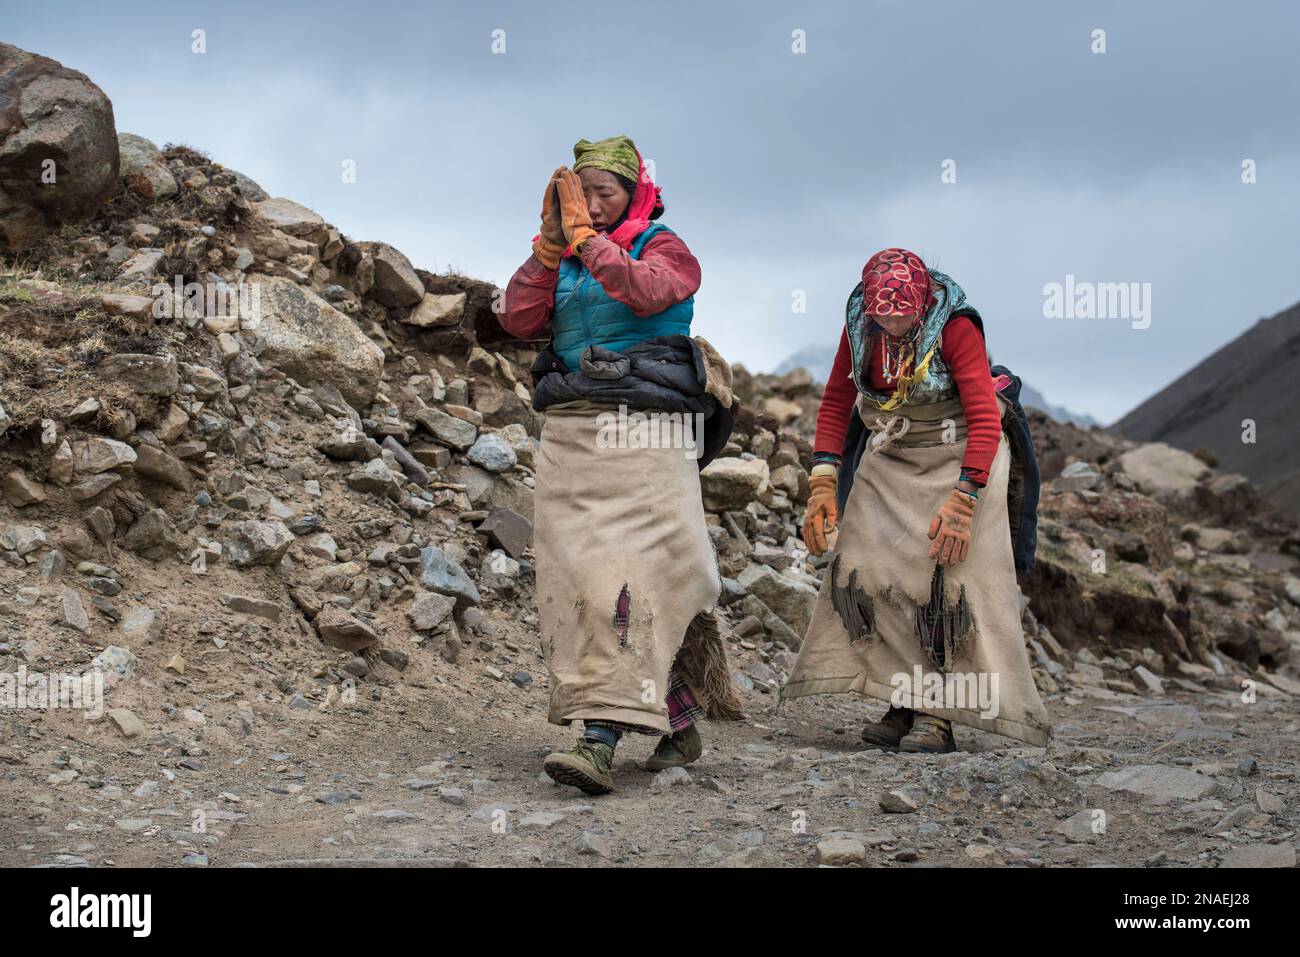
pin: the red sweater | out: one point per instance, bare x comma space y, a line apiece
666, 274
963, 351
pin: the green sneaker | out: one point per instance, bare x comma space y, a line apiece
586, 767
676, 750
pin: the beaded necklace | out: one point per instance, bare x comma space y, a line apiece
897, 354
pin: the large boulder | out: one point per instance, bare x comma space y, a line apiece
49, 112
305, 337
1167, 474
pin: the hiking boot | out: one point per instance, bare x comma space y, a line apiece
585, 767
676, 750
929, 735
889, 730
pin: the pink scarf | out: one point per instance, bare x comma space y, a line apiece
645, 200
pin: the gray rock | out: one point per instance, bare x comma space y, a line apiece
439, 573
396, 283
438, 310
429, 610
508, 530
348, 445
841, 850
412, 468
375, 478
1260, 855
307, 338
290, 217
74, 612
21, 489
1079, 828
1168, 475
96, 454
162, 466
341, 630
669, 777
730, 483
118, 660
448, 429
143, 169
591, 843
499, 570
900, 801
338, 797
51, 111
492, 453
1159, 783
126, 721
247, 605
790, 599
153, 535
257, 542
23, 539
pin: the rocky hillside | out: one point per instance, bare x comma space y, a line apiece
275, 484
1251, 378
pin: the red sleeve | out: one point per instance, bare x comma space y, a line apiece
837, 402
963, 351
666, 274
529, 299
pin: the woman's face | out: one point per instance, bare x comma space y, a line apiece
606, 197
897, 325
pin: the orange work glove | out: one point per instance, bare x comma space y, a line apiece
574, 215
819, 517
950, 529
549, 246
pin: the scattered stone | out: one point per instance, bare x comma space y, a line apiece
247, 605
437, 310
429, 610
99, 454
899, 802
591, 843
492, 453
146, 374
126, 721
20, 489
439, 573
1160, 783
338, 628
841, 851
1261, 855
257, 542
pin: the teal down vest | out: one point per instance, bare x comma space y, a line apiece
586, 315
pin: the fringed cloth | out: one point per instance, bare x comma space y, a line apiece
885, 612
626, 580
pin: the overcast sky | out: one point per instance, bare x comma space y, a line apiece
782, 171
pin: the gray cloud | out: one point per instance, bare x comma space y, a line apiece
781, 171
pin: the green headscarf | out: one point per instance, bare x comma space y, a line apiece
616, 154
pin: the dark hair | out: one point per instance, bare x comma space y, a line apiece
630, 186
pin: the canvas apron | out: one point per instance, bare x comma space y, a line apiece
610, 519
880, 573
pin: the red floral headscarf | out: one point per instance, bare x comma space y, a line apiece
895, 281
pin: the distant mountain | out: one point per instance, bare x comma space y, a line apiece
1029, 396
819, 359
816, 359
1253, 377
